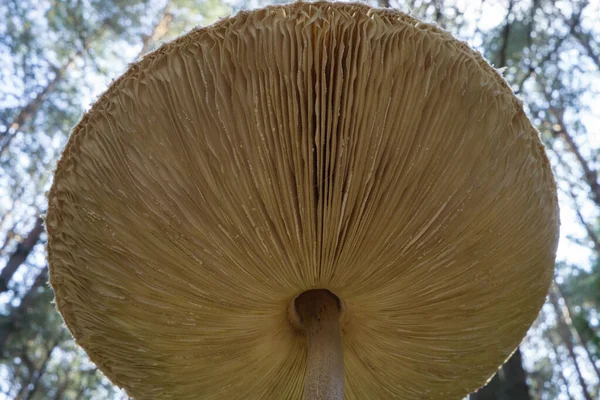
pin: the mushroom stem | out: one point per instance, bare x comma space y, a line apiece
319, 314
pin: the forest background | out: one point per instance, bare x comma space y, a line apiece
58, 56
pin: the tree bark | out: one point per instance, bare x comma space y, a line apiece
20, 254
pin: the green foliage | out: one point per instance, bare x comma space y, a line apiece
59, 54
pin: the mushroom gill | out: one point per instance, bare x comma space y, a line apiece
326, 147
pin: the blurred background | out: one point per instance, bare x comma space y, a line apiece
57, 56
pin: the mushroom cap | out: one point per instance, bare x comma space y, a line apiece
291, 148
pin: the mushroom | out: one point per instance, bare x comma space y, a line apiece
314, 199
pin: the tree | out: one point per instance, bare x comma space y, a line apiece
20, 254
58, 55
567, 339
508, 384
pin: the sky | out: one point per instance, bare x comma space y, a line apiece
493, 15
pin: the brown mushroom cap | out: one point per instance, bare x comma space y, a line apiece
297, 147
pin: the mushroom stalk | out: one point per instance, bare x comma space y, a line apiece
319, 313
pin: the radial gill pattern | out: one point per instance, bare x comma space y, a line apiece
297, 147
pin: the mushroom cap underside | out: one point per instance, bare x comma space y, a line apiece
297, 147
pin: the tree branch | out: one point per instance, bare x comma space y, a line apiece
565, 334
160, 29
590, 174
584, 39
19, 313
502, 56
29, 111
20, 254
41, 371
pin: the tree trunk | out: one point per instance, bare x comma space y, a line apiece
16, 374
63, 386
593, 237
560, 371
10, 235
515, 383
590, 175
584, 39
85, 383
29, 111
501, 57
565, 335
33, 385
19, 312
491, 391
21, 254
566, 316
588, 228
438, 15
160, 29
509, 383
